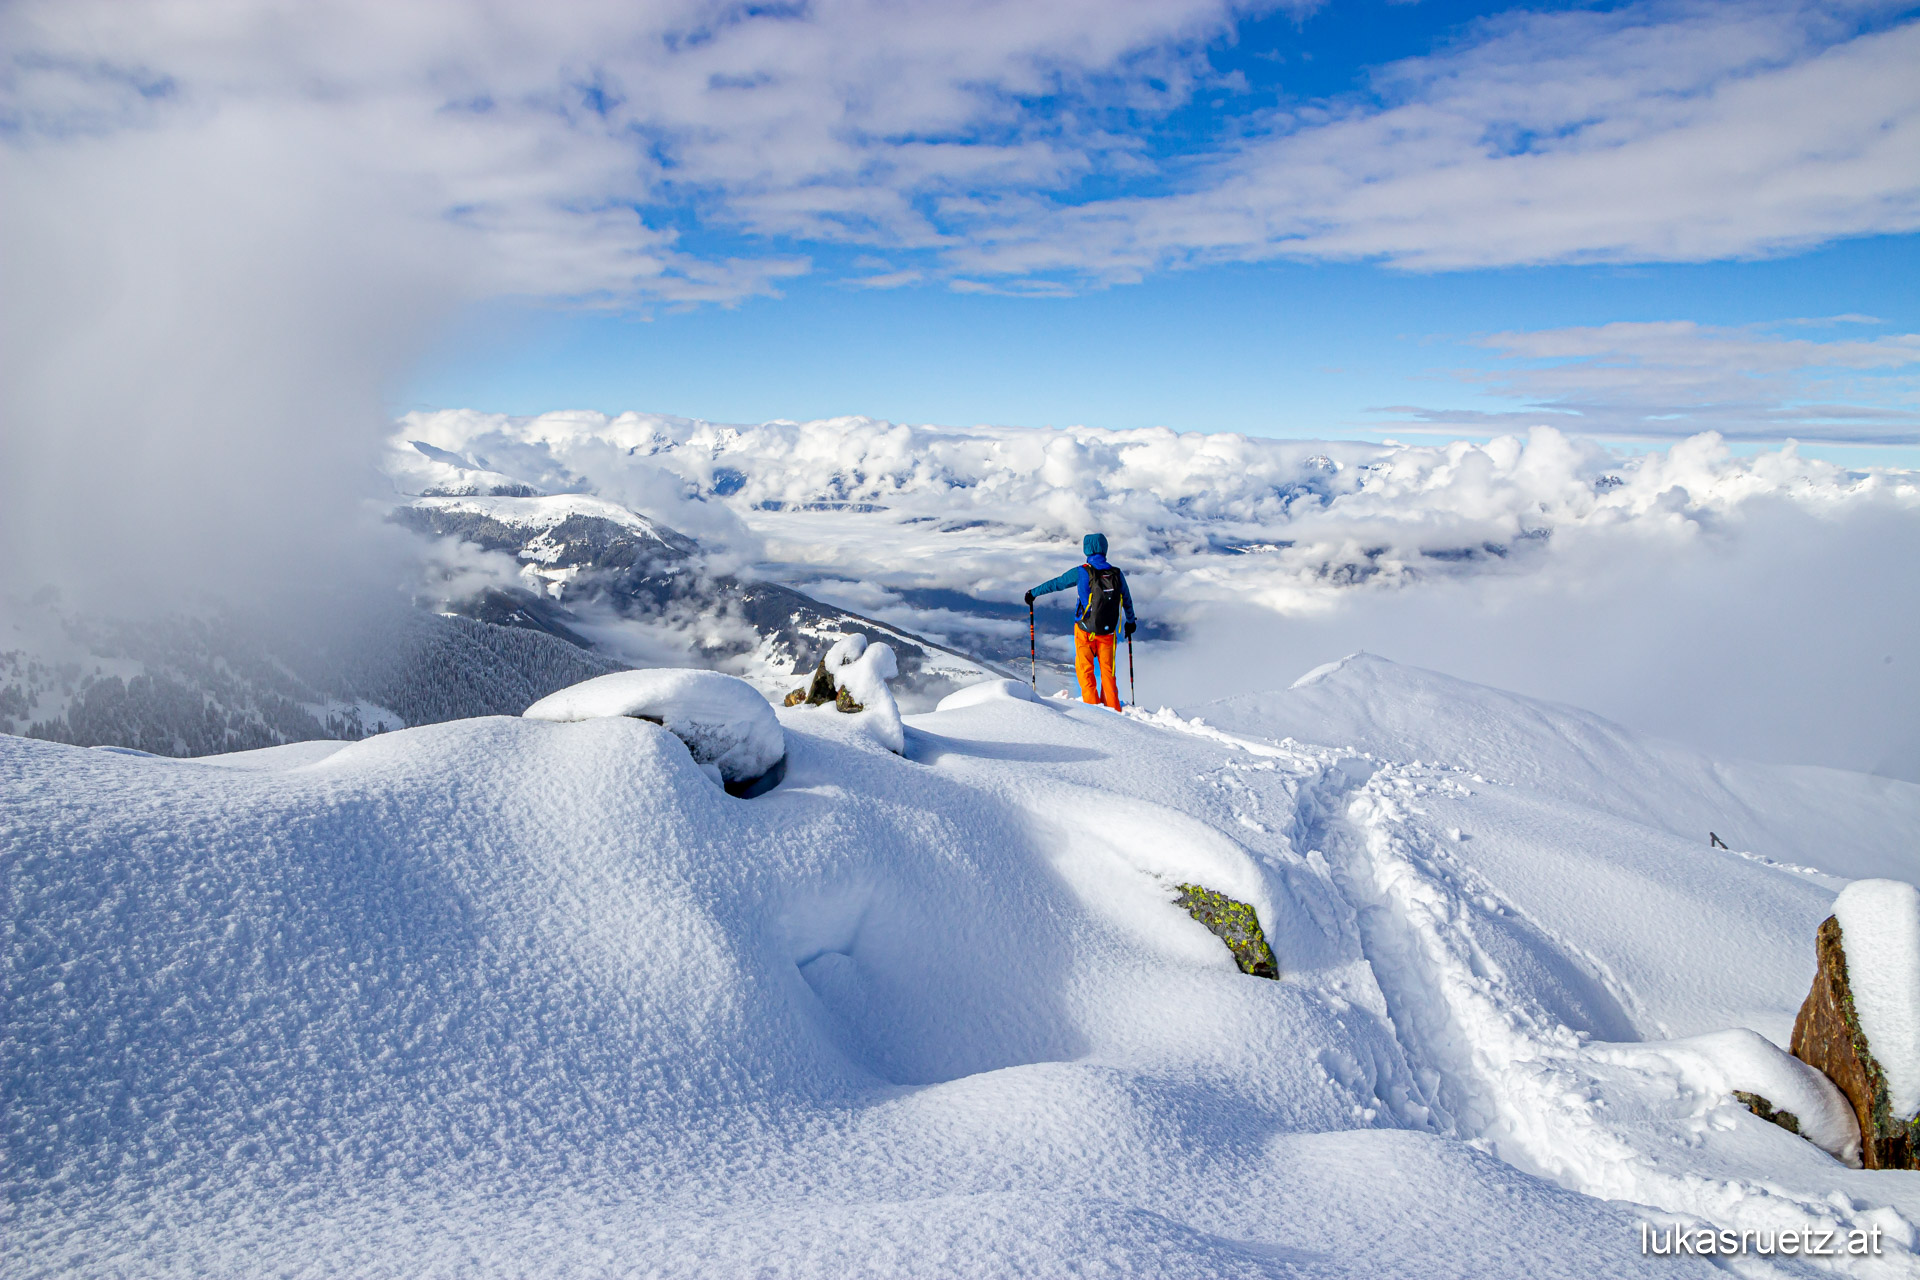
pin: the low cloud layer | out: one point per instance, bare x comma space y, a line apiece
1788, 637
1756, 606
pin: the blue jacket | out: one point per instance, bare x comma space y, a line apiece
1094, 546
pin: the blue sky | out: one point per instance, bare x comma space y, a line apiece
1325, 217
1287, 349
1370, 343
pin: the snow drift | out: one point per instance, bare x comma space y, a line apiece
504, 996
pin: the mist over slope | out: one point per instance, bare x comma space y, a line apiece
215, 680
503, 996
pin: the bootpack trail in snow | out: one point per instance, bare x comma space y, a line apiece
500, 996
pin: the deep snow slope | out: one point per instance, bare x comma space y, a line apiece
507, 997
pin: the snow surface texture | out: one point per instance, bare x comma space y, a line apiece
507, 997
727, 726
1880, 929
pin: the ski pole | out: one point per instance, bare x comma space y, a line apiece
1033, 652
1132, 699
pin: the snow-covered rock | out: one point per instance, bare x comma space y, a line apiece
1861, 1018
860, 671
1880, 928
726, 724
1742, 1061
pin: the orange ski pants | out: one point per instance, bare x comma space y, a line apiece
1094, 654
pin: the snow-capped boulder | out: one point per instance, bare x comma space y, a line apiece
1860, 1024
730, 729
851, 683
862, 671
1774, 1086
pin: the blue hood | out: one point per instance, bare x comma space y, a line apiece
1094, 544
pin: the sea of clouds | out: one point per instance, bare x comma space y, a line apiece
1759, 605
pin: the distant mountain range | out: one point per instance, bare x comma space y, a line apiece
604, 577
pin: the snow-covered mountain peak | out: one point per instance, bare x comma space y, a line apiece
542, 515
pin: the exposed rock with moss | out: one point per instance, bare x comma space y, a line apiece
822, 692
1827, 1036
1234, 923
1765, 1110
817, 692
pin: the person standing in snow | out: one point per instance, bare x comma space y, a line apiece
1103, 596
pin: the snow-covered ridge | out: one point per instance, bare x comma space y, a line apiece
503, 997
545, 510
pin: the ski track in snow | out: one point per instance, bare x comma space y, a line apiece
1493, 1066
502, 998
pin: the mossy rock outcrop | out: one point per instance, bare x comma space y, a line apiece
1234, 923
1827, 1037
817, 692
822, 692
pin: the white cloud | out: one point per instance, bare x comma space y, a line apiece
231, 223
1285, 524
1677, 378
1651, 133
565, 144
550, 138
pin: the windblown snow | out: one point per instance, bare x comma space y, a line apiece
506, 996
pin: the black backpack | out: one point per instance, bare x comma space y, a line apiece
1101, 616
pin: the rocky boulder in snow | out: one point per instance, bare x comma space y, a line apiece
728, 727
1234, 923
817, 692
1860, 1024
852, 679
1772, 1084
